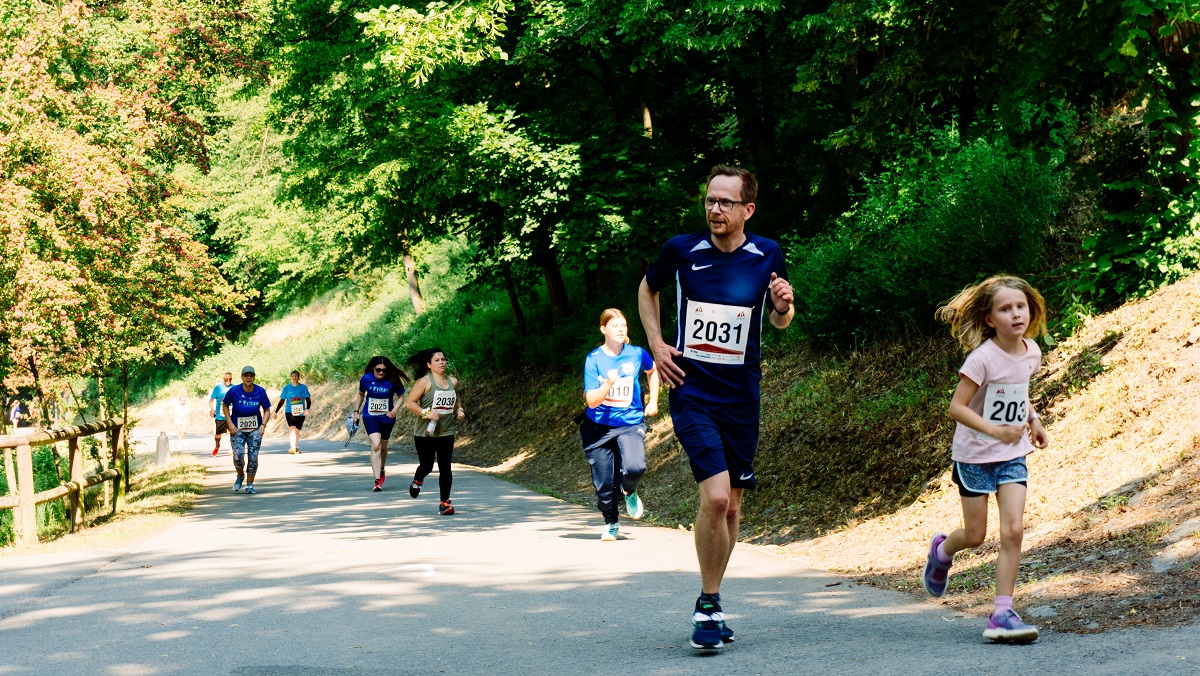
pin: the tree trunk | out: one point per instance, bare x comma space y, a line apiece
556, 289
591, 285
414, 283
125, 417
514, 301
43, 410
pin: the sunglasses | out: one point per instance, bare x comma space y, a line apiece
381, 369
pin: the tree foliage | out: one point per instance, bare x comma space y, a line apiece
98, 267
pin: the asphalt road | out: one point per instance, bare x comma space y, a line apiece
318, 575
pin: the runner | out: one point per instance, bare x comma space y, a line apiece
251, 411
435, 399
613, 433
181, 413
381, 381
297, 399
727, 279
995, 321
214, 409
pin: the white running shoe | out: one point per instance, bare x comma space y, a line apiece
610, 532
633, 506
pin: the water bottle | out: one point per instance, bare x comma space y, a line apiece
431, 427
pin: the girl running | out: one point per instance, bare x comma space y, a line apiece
996, 322
297, 400
373, 407
435, 399
613, 433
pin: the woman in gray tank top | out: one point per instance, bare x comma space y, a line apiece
435, 399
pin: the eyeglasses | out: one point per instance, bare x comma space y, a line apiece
381, 369
720, 204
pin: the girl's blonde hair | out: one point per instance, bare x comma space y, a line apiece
967, 312
611, 314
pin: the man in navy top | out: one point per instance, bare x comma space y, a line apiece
726, 280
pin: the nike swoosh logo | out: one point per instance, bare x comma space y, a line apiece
745, 476
701, 267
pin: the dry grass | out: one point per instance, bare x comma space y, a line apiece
157, 497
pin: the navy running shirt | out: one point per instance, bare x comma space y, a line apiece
377, 395
623, 406
244, 407
721, 300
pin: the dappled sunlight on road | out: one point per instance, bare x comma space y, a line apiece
316, 569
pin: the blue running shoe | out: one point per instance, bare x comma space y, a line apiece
237, 485
726, 632
706, 631
610, 532
250, 489
633, 506
1008, 627
937, 574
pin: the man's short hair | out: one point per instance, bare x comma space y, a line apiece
749, 183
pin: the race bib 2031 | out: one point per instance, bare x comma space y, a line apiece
716, 333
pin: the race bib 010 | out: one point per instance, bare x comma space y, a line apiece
443, 401
621, 393
247, 423
716, 333
1005, 404
377, 406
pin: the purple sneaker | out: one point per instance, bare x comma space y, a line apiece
937, 574
1008, 627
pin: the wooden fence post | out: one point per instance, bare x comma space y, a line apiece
118, 502
24, 516
75, 461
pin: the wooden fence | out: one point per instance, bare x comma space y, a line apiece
21, 497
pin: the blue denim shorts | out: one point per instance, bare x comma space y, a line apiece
975, 480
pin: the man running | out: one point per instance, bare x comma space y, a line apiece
727, 278
214, 409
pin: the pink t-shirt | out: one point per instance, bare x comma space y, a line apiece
1002, 398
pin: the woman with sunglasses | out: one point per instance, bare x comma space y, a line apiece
380, 396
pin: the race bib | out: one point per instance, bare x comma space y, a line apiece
1005, 404
247, 423
621, 393
443, 401
716, 333
377, 406
297, 407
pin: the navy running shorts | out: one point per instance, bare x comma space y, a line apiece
381, 426
717, 437
975, 480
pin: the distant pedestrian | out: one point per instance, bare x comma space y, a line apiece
296, 398
219, 390
613, 429
996, 321
378, 402
247, 409
180, 415
434, 398
14, 413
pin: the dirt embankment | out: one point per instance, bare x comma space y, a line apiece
854, 452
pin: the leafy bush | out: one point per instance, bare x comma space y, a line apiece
921, 232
